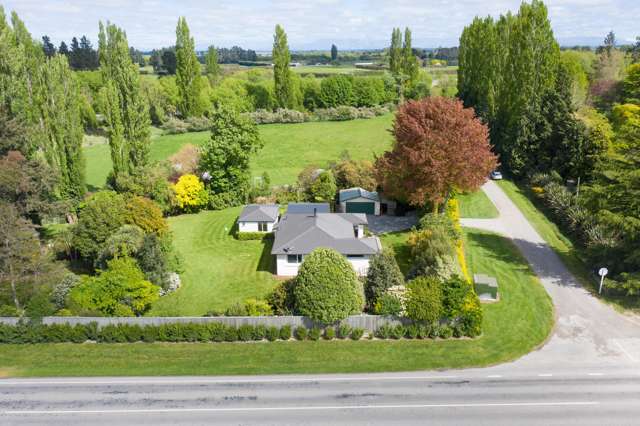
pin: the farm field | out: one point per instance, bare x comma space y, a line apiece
288, 148
516, 325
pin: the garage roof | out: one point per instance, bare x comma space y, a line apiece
351, 193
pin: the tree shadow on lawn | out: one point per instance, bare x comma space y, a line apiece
265, 263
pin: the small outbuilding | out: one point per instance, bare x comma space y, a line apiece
358, 200
486, 288
258, 218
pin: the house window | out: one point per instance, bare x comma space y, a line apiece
294, 258
263, 226
355, 256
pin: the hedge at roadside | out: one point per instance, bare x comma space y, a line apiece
210, 332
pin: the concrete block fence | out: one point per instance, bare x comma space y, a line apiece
366, 322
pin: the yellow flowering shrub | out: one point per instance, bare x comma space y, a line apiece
190, 193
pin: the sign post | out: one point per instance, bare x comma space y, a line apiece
602, 272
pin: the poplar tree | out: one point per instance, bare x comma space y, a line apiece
212, 67
124, 106
281, 72
410, 66
395, 53
43, 94
187, 72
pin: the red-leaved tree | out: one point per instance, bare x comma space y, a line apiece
440, 146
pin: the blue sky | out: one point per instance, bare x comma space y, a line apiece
312, 24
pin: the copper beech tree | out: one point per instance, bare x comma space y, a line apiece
440, 146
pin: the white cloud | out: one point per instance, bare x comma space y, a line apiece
357, 23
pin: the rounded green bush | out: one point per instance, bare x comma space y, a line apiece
272, 334
357, 334
329, 333
343, 331
424, 300
300, 333
285, 332
327, 288
314, 333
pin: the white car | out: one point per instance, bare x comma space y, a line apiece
495, 175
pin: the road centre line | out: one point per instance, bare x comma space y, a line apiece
302, 408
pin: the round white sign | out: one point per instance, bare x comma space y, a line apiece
603, 271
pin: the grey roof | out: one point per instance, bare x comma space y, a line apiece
485, 280
302, 233
351, 193
259, 213
307, 208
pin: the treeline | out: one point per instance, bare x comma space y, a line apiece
568, 121
81, 54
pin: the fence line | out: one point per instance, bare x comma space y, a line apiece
367, 322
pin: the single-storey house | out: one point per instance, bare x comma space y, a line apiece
297, 235
308, 208
258, 218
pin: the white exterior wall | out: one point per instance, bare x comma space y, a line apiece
285, 269
253, 226
343, 205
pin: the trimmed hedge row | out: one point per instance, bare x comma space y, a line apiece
211, 332
247, 236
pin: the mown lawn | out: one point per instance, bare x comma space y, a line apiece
218, 269
288, 148
514, 326
562, 245
477, 205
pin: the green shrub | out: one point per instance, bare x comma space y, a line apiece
218, 332
300, 333
434, 330
329, 333
398, 332
315, 333
344, 330
231, 334
327, 289
245, 332
457, 330
282, 299
285, 332
423, 331
150, 334
236, 310
111, 334
259, 332
272, 333
412, 331
384, 331
383, 273
357, 334
8, 311
446, 331
257, 308
388, 304
424, 300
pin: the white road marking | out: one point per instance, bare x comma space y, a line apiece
494, 376
626, 352
187, 381
545, 375
302, 408
595, 374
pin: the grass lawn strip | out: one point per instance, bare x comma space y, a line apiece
514, 326
476, 205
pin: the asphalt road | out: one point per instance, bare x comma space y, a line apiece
587, 373
471, 397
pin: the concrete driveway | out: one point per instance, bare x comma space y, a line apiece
588, 332
383, 224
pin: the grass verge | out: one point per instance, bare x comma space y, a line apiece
476, 205
514, 326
